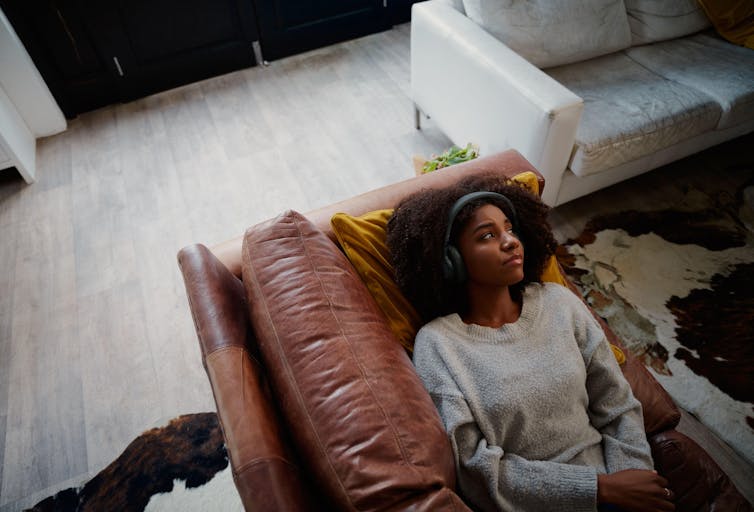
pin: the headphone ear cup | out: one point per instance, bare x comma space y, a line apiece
455, 270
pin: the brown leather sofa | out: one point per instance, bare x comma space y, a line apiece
320, 408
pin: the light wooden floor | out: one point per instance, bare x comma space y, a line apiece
96, 339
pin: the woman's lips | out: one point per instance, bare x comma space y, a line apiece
513, 260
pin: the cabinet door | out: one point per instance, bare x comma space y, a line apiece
293, 26
155, 45
58, 37
93, 53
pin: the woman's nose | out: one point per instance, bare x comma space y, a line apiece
509, 241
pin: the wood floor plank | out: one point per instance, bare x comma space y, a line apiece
54, 156
121, 396
102, 224
8, 235
45, 439
236, 113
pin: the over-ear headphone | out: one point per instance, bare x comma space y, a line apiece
453, 268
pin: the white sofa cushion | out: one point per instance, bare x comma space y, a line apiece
630, 111
658, 20
554, 32
709, 64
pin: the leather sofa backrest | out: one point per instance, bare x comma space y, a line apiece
508, 163
356, 410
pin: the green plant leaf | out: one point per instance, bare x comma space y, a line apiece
454, 155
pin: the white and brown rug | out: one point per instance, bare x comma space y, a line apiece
181, 467
677, 285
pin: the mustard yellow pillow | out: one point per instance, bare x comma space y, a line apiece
551, 272
363, 240
733, 19
529, 180
618, 353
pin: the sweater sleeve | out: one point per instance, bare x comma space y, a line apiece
613, 409
488, 477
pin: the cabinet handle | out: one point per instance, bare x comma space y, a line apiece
117, 65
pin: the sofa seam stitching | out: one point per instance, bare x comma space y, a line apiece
288, 370
362, 371
260, 460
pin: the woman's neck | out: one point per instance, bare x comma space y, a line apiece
491, 307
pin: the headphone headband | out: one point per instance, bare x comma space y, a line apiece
466, 199
453, 267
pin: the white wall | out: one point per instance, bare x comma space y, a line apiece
27, 108
25, 86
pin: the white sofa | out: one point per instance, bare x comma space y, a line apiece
591, 92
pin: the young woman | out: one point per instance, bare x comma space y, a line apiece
538, 412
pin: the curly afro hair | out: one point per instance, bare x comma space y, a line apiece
416, 232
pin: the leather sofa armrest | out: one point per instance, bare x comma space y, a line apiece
507, 163
217, 300
695, 478
265, 472
514, 103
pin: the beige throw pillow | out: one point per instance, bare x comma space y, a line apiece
658, 20
554, 32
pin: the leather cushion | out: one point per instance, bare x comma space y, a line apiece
357, 411
695, 478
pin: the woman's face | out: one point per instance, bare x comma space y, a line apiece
492, 254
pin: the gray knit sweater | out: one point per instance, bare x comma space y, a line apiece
535, 409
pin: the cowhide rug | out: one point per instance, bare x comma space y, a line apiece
677, 285
180, 467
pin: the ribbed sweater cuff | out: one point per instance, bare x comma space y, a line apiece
578, 487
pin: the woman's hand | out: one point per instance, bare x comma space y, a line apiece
635, 490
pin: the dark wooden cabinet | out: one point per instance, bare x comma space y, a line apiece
57, 37
287, 27
157, 45
93, 53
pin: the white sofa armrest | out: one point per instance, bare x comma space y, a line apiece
478, 90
